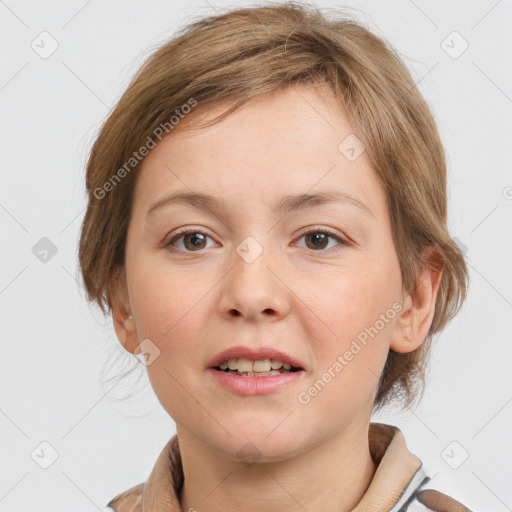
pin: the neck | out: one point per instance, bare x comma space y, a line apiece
332, 477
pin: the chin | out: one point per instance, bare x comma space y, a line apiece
260, 442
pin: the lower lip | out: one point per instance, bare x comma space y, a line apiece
254, 385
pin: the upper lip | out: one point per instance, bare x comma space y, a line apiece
254, 353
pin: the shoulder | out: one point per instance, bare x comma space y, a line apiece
128, 501
429, 500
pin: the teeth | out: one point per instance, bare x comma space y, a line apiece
260, 366
243, 365
257, 374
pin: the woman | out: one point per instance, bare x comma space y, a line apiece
267, 226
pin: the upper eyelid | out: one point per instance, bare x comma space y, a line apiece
329, 231
342, 240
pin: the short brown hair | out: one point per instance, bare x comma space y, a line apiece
245, 53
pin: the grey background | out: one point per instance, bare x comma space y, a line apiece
54, 345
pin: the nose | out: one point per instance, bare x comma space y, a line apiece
254, 290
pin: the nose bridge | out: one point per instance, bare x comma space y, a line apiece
251, 288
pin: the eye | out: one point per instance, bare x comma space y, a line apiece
193, 240
319, 238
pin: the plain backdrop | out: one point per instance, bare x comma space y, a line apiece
54, 345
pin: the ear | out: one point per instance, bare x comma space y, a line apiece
418, 310
122, 317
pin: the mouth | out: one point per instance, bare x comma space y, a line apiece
250, 377
244, 367
250, 361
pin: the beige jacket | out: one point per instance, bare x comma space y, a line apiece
399, 484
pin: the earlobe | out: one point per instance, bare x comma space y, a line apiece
124, 324
401, 341
124, 327
129, 324
406, 344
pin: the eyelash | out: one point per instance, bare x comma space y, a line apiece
303, 232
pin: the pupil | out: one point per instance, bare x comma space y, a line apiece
195, 237
318, 237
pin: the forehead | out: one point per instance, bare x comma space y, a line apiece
306, 116
284, 142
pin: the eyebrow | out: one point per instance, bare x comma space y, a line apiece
285, 205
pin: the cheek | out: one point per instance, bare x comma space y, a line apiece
166, 299
351, 300
355, 321
171, 309
350, 360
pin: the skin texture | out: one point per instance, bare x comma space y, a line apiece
308, 298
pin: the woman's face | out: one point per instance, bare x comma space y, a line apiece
258, 276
